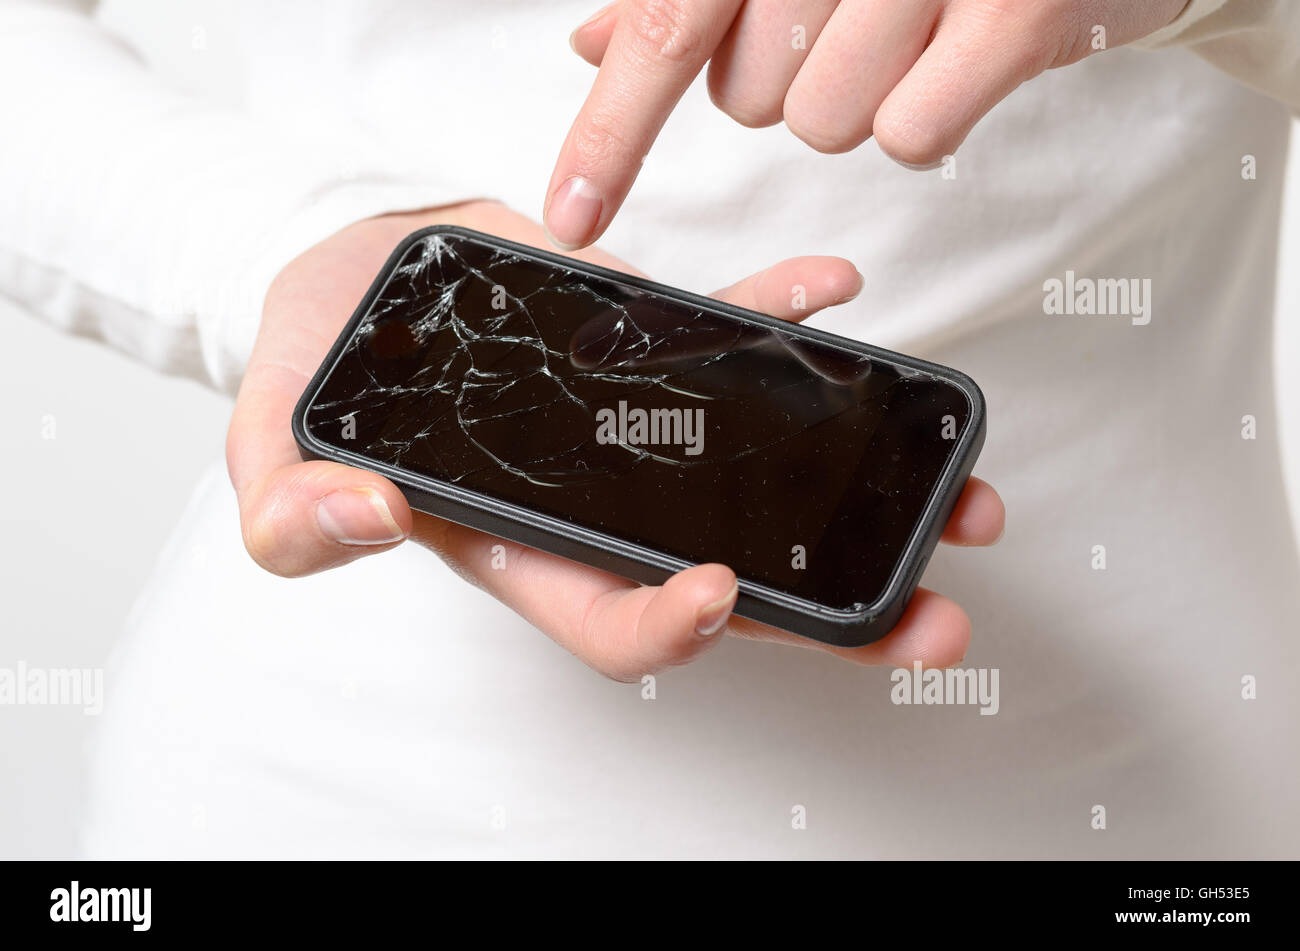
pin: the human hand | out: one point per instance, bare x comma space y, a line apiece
302, 517
915, 74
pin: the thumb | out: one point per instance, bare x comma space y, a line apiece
629, 632
307, 517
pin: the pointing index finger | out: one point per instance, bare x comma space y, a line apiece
658, 48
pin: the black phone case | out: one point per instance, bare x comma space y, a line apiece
645, 565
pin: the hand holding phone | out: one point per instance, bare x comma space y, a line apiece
619, 627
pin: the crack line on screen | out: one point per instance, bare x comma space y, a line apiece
423, 297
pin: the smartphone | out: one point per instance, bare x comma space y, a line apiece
642, 429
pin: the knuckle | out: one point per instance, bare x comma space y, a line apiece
600, 139
622, 674
666, 30
1032, 36
753, 115
1037, 51
913, 136
750, 111
911, 143
825, 137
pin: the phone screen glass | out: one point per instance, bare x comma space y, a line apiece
803, 466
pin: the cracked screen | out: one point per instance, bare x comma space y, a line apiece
802, 466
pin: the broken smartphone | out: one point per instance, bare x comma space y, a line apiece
642, 429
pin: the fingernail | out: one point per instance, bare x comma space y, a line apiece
588, 22
713, 617
357, 517
862, 282
595, 16
572, 215
926, 167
